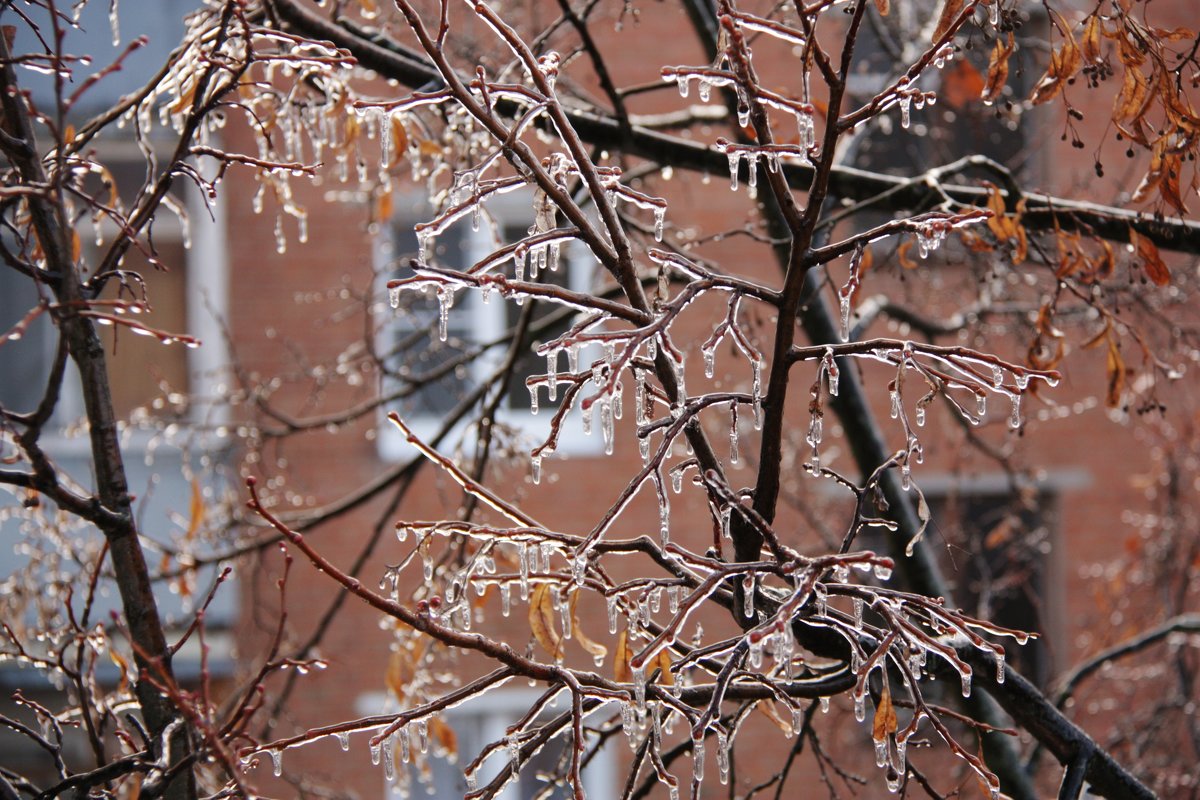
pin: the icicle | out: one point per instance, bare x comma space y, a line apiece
660, 215
514, 752
389, 759
376, 749
612, 613
579, 569
639, 688
733, 432
585, 412
966, 681
533, 399
606, 424
698, 754
748, 595
405, 745
997, 376
752, 167
920, 415
981, 404
894, 397
535, 463
114, 23
994, 13
1014, 419
683, 82
905, 118
703, 90
343, 738
552, 374
882, 572
664, 519
999, 666
860, 706
734, 156
644, 448
726, 513
756, 391
858, 612
445, 299
743, 113
677, 481
423, 735
523, 559
277, 760
824, 705
505, 599
710, 359
723, 756
756, 653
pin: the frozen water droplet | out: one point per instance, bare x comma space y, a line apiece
276, 762
343, 738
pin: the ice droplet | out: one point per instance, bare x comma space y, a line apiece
535, 464
860, 706
660, 214
343, 738
881, 751
376, 751
723, 756
966, 681
1014, 419
734, 157
277, 762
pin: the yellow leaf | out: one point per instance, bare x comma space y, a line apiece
197, 511
621, 671
444, 736
767, 709
123, 666
663, 662
541, 621
885, 716
594, 648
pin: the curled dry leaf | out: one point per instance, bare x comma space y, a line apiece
594, 648
1065, 61
997, 74
1152, 262
541, 621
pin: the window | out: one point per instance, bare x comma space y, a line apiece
485, 720
186, 298
447, 370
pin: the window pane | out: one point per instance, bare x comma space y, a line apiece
25, 362
416, 351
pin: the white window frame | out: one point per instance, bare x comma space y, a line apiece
488, 321
492, 714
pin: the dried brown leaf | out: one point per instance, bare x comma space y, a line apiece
541, 621
1152, 263
997, 74
885, 716
883, 7
621, 671
594, 648
949, 16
